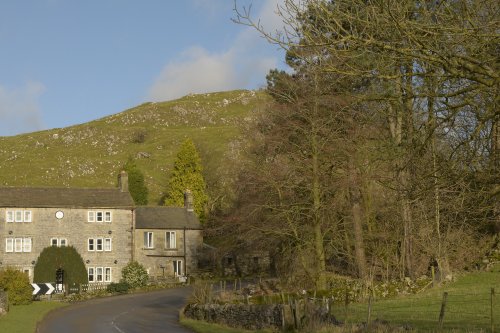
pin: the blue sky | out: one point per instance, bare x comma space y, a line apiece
65, 62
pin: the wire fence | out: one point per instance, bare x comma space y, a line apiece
464, 312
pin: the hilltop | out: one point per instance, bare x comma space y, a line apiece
91, 154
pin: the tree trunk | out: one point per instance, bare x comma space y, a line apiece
357, 220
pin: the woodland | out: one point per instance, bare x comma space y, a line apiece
379, 154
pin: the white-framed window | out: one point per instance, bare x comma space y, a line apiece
98, 274
98, 244
9, 245
91, 244
18, 245
26, 244
170, 240
91, 274
177, 267
19, 216
107, 244
58, 242
9, 216
107, 274
27, 216
99, 216
148, 240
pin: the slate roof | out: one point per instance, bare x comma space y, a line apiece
165, 218
47, 197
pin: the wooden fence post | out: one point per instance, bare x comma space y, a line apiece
492, 295
346, 303
369, 316
441, 313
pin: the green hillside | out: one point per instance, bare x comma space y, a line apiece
91, 154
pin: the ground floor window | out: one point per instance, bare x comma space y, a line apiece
99, 274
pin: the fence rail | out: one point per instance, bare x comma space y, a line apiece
86, 287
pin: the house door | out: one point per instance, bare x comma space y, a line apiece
178, 268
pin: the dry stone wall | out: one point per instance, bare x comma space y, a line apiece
250, 317
4, 302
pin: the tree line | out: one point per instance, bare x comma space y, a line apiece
379, 154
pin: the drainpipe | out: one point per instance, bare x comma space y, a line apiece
132, 229
185, 262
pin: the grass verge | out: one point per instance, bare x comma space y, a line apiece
23, 318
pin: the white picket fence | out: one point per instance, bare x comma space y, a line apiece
86, 287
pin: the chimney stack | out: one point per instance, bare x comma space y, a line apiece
188, 201
123, 181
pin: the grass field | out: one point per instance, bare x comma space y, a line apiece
469, 306
23, 318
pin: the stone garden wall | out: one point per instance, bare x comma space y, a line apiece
250, 317
4, 302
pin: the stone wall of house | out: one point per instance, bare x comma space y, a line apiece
75, 228
159, 260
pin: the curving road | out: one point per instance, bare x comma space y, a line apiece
152, 312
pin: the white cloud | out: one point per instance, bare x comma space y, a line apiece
19, 109
242, 66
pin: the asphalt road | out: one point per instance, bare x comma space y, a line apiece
152, 312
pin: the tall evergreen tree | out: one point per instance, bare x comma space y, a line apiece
187, 174
136, 185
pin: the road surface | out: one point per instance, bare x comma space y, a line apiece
152, 312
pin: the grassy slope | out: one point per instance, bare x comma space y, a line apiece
91, 154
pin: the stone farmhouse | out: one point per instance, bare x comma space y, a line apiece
103, 225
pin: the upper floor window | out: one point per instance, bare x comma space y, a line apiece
18, 216
107, 244
18, 244
170, 240
58, 242
99, 216
91, 244
148, 240
99, 244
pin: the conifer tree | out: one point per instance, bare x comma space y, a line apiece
187, 174
136, 185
